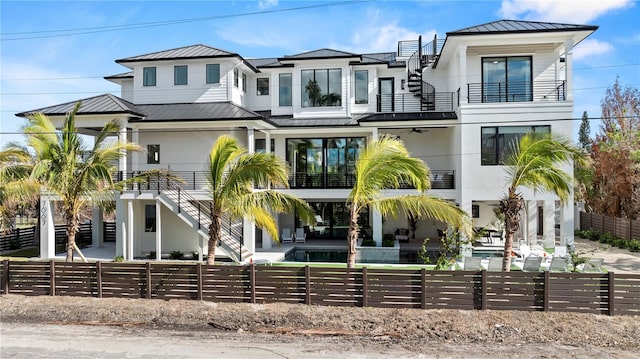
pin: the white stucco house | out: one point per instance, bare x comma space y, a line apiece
455, 102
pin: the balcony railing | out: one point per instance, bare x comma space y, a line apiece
517, 91
408, 102
196, 180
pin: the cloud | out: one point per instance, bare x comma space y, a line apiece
265, 4
572, 11
380, 38
590, 48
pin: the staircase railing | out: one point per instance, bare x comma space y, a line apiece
231, 239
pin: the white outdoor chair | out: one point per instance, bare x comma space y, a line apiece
532, 264
594, 265
495, 264
560, 251
472, 263
300, 235
558, 264
286, 235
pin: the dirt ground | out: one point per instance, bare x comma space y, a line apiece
615, 259
457, 334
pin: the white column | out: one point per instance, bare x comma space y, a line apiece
122, 162
158, 230
568, 68
549, 223
462, 72
202, 243
135, 156
267, 241
47, 229
97, 239
249, 235
374, 134
532, 222
130, 231
251, 140
567, 222
377, 227
121, 227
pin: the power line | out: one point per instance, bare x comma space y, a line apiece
101, 29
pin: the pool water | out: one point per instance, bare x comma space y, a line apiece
316, 255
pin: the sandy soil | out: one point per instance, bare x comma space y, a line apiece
615, 259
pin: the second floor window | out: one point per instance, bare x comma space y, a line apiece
153, 154
180, 75
284, 87
362, 86
506, 79
321, 87
149, 76
497, 142
213, 73
235, 77
244, 83
262, 84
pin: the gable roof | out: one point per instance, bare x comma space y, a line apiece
124, 75
218, 111
186, 52
521, 26
320, 54
97, 105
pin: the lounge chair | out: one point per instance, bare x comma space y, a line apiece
495, 264
558, 264
300, 235
560, 251
402, 235
594, 265
532, 264
286, 235
472, 263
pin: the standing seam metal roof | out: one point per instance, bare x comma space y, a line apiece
511, 26
185, 52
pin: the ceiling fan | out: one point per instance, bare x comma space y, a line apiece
417, 130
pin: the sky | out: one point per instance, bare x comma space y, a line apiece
53, 52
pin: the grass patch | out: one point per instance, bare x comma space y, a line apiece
24, 252
358, 265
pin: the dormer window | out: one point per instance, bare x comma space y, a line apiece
180, 75
149, 76
235, 77
213, 73
322, 87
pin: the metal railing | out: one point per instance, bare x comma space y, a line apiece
407, 102
523, 91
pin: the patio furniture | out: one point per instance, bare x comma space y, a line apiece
594, 265
558, 264
300, 235
532, 264
286, 235
472, 263
560, 251
495, 264
402, 235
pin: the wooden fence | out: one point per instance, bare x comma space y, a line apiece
24, 237
18, 238
620, 227
599, 293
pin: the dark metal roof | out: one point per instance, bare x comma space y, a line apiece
289, 121
320, 54
407, 116
266, 62
97, 105
125, 75
186, 52
194, 112
511, 26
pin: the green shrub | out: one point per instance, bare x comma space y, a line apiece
388, 240
151, 255
590, 234
607, 238
118, 259
634, 245
176, 255
368, 242
620, 243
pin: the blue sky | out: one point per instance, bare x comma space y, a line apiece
54, 51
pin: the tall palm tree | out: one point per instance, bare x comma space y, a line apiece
71, 170
535, 162
386, 164
231, 175
15, 166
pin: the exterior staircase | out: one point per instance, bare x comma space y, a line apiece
197, 214
423, 57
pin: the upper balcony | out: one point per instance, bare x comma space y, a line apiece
408, 102
526, 91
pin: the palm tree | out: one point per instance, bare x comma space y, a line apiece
15, 166
386, 164
70, 170
231, 175
535, 163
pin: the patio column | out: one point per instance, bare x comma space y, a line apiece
122, 161
376, 227
249, 235
201, 245
121, 227
462, 72
135, 156
568, 68
130, 221
158, 230
532, 222
549, 223
567, 222
267, 241
47, 228
97, 224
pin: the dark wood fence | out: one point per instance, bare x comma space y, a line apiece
18, 238
24, 237
620, 227
606, 293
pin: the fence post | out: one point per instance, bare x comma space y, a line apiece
52, 278
99, 278
199, 274
252, 280
148, 267
365, 300
307, 285
423, 291
546, 290
612, 293
5, 276
483, 285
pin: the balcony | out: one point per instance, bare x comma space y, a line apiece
517, 91
408, 102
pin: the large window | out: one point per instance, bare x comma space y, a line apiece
506, 79
285, 93
323, 162
498, 142
213, 73
262, 84
149, 76
149, 218
180, 75
321, 87
362, 86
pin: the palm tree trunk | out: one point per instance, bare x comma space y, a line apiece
352, 237
214, 237
511, 208
72, 229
